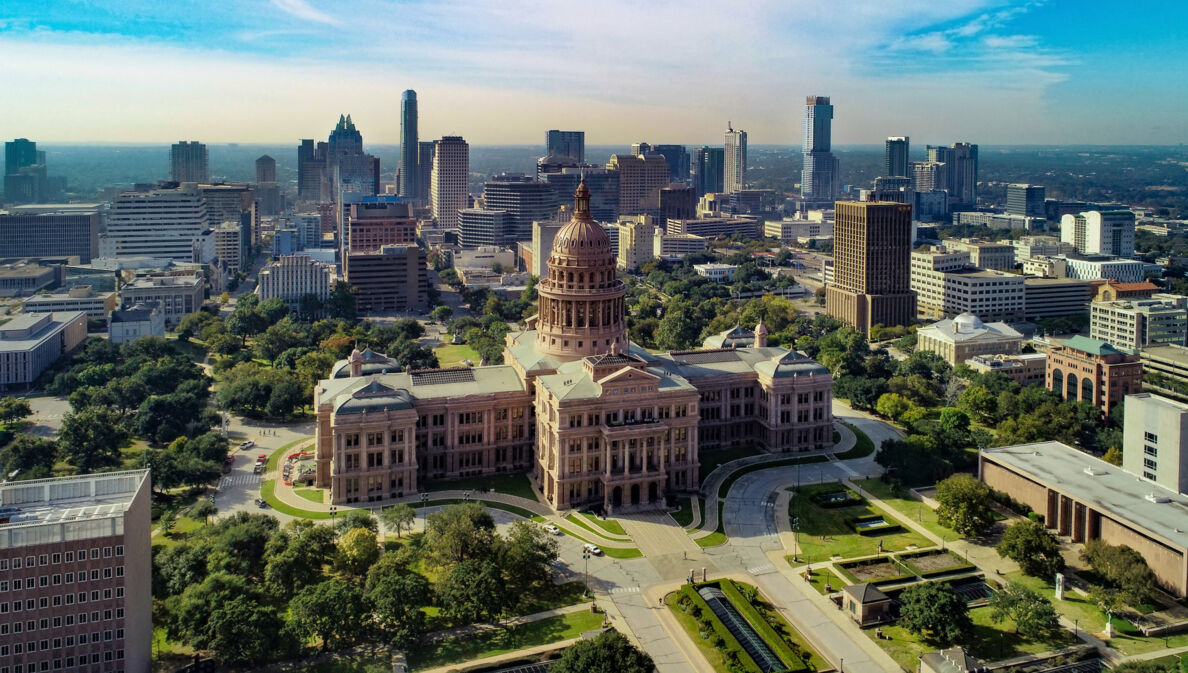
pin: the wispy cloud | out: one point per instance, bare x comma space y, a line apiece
303, 10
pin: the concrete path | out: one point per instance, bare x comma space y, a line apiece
657, 534
506, 656
475, 629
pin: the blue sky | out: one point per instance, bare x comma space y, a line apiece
988, 71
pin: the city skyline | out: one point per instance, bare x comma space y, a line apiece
1003, 73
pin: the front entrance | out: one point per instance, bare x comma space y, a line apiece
635, 494
652, 492
617, 497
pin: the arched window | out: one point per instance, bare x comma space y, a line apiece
1070, 392
1057, 380
1087, 391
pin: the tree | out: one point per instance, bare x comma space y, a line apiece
892, 405
226, 613
398, 517
979, 403
273, 310
609, 652
203, 509
177, 567
358, 549
458, 533
29, 456
527, 555
13, 409
341, 302
1113, 456
442, 313
473, 591
1122, 569
356, 518
1030, 545
1032, 613
309, 306
935, 612
91, 439
678, 328
397, 596
333, 611
965, 505
296, 556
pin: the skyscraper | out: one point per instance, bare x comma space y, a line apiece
524, 199
425, 150
1105, 232
344, 139
706, 169
19, 153
570, 144
409, 147
961, 172
1025, 200
603, 185
640, 180
818, 179
734, 174
188, 162
678, 161
450, 189
872, 247
265, 169
311, 170
896, 159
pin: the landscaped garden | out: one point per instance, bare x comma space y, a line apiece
934, 562
740, 614
901, 501
832, 521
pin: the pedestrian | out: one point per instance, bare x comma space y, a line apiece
685, 555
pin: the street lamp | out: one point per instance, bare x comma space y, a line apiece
333, 511
586, 558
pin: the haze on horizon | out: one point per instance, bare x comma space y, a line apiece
272, 71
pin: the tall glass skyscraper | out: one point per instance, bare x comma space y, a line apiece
819, 179
570, 144
409, 183
734, 176
707, 166
895, 161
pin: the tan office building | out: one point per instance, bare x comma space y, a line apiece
872, 249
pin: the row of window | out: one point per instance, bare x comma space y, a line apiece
60, 642
57, 558
66, 662
59, 621
60, 578
43, 602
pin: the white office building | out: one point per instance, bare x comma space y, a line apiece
1153, 434
139, 321
1162, 319
292, 277
158, 223
1095, 232
449, 189
719, 273
946, 284
735, 166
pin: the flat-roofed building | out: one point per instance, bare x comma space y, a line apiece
1052, 297
719, 273
636, 241
292, 277
180, 293
984, 254
162, 222
91, 535
641, 178
391, 279
1001, 221
1026, 369
965, 336
1137, 323
1090, 370
51, 230
1168, 360
1093, 267
1154, 433
675, 246
710, 227
947, 285
78, 298
138, 321
1039, 246
23, 277
379, 221
1086, 498
789, 230
31, 342
872, 248
1097, 232
229, 246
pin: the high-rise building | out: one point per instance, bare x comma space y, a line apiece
602, 183
159, 223
678, 161
571, 144
409, 147
524, 200
637, 235
961, 172
734, 174
38, 231
677, 202
1095, 232
379, 221
928, 176
393, 278
25, 179
425, 150
344, 139
292, 277
872, 247
450, 179
91, 534
311, 170
819, 178
19, 153
1160, 426
895, 161
1025, 200
1162, 319
481, 227
707, 166
265, 169
189, 162
640, 181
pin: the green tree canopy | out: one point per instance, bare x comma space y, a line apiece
935, 612
609, 652
333, 611
965, 505
1030, 545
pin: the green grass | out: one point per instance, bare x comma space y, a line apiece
312, 494
182, 528
613, 552
718, 537
441, 502
509, 483
712, 654
863, 445
275, 458
583, 523
609, 525
821, 575
684, 515
164, 648
450, 355
724, 489
903, 503
268, 492
712, 458
360, 663
988, 641
500, 641
717, 658
833, 523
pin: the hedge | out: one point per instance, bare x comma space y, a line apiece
732, 645
765, 630
850, 500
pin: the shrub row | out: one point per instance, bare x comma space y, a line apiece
791, 656
729, 644
850, 500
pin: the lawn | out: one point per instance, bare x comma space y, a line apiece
712, 458
713, 655
827, 532
821, 576
609, 525
902, 502
451, 355
988, 641
509, 483
863, 445
718, 537
312, 494
613, 552
684, 515
518, 511
361, 663
268, 492
742, 471
584, 522
500, 641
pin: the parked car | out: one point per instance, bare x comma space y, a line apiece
552, 529
244, 446
260, 502
262, 458
593, 549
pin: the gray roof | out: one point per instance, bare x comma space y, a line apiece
1162, 513
373, 397
57, 322
967, 327
738, 335
770, 360
141, 312
572, 382
953, 660
866, 594
401, 390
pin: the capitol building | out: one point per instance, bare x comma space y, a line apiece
593, 418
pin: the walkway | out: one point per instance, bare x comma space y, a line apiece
475, 629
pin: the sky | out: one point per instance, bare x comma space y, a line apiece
661, 71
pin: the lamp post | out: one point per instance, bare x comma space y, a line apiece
586, 558
333, 511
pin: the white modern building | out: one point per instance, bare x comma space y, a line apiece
449, 189
228, 238
78, 298
1092, 267
157, 223
719, 273
1052, 297
485, 257
1028, 247
1133, 324
947, 285
1160, 427
141, 320
789, 230
292, 277
676, 246
30, 342
180, 293
966, 336
735, 166
1095, 232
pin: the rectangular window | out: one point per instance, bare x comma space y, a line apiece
1151, 451
1150, 464
1151, 437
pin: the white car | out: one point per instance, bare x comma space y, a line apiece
593, 549
247, 445
552, 529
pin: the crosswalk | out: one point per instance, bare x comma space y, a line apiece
761, 570
239, 480
625, 590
